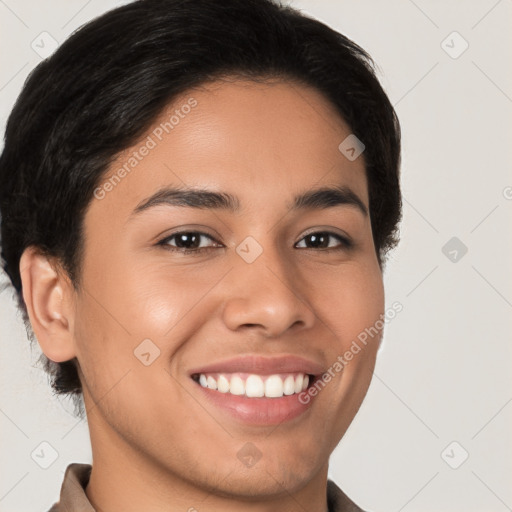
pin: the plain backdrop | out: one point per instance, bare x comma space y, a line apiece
434, 430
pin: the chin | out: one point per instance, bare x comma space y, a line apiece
262, 481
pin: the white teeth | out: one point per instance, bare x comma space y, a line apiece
256, 386
289, 385
298, 383
212, 383
223, 384
274, 386
237, 386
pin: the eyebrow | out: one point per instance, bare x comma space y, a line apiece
319, 199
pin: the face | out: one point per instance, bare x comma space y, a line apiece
178, 294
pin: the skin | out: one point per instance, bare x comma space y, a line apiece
157, 444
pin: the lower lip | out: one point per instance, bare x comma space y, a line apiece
259, 411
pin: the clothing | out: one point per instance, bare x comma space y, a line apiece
74, 499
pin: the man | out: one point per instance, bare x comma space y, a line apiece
204, 195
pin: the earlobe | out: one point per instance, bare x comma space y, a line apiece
47, 295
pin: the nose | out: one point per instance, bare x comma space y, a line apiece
267, 295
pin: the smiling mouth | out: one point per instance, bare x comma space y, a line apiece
252, 385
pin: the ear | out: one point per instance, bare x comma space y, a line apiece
49, 297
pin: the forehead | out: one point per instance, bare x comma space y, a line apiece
262, 142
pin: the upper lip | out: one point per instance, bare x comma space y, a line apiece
262, 365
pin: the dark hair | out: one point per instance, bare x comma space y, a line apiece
108, 82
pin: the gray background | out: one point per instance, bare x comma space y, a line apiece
444, 371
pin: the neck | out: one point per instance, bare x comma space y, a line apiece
124, 478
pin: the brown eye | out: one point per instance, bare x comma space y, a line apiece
186, 241
322, 240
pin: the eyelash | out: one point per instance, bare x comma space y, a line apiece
345, 243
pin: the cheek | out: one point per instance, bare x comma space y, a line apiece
121, 369
365, 306
353, 308
168, 304
136, 300
142, 313
352, 298
104, 346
